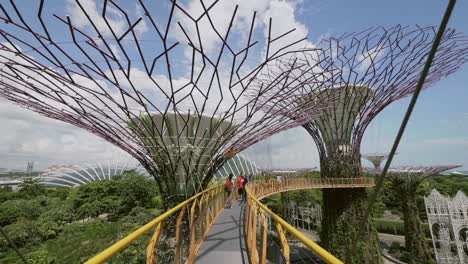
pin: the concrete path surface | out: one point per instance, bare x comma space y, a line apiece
225, 243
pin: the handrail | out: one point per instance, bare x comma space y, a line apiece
325, 255
206, 206
256, 213
112, 250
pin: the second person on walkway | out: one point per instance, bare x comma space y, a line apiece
241, 182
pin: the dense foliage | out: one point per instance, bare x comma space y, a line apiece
48, 225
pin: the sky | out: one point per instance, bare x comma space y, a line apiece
436, 135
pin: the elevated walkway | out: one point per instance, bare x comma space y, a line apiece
226, 239
199, 230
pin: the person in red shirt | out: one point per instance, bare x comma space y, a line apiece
228, 188
240, 185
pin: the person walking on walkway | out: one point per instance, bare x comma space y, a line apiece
228, 188
240, 185
278, 179
244, 183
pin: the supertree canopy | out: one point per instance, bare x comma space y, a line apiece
411, 176
167, 87
405, 181
368, 70
375, 158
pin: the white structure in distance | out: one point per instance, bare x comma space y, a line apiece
236, 165
448, 223
76, 175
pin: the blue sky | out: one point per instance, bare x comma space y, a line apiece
437, 133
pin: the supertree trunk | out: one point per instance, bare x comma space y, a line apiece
343, 210
415, 238
285, 203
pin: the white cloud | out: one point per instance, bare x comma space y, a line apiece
80, 20
284, 20
27, 136
366, 58
116, 19
293, 148
220, 16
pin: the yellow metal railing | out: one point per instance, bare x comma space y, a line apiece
176, 242
263, 188
179, 233
256, 226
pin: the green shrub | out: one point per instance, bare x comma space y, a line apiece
9, 214
140, 215
38, 257
31, 188
394, 247
25, 232
396, 227
389, 227
92, 238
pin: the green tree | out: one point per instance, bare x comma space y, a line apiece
136, 191
9, 214
24, 233
31, 188
415, 239
95, 198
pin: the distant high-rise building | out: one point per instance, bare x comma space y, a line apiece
29, 167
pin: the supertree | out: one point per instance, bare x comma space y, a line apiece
404, 182
369, 70
375, 158
169, 89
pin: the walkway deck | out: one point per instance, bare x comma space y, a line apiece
225, 243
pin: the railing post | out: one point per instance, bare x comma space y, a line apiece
208, 213
151, 250
178, 257
284, 242
264, 238
200, 219
249, 224
253, 237
192, 232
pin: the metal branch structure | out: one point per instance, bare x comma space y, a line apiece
375, 158
168, 89
405, 181
411, 176
366, 71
